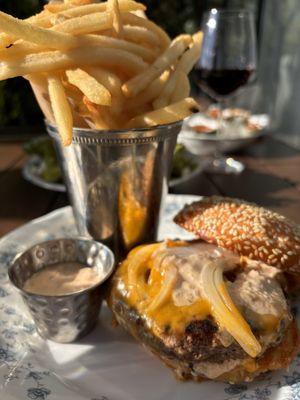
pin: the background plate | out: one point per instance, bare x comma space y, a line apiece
108, 364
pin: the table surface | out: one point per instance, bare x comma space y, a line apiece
271, 179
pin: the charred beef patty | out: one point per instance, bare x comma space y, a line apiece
158, 296
184, 353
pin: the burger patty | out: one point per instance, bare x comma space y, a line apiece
200, 343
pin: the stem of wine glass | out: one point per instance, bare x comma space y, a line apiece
218, 153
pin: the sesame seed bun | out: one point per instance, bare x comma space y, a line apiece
245, 229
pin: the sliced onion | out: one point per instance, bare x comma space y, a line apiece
170, 277
138, 260
223, 309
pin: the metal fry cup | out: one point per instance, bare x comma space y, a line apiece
117, 181
63, 318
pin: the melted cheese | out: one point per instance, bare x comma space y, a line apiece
143, 279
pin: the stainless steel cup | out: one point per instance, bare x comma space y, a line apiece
116, 182
63, 318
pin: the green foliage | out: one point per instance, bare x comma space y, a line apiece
175, 16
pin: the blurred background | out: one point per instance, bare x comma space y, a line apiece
275, 91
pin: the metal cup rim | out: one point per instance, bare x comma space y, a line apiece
119, 131
79, 292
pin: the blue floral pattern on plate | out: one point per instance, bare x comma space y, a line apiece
24, 376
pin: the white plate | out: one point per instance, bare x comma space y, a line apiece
108, 364
206, 144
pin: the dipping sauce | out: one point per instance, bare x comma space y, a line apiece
61, 279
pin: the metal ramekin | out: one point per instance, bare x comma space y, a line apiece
69, 317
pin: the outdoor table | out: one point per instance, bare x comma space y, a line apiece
271, 179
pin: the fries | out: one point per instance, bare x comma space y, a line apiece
139, 34
140, 82
102, 65
44, 37
22, 48
71, 12
90, 87
182, 88
149, 94
183, 67
112, 83
167, 115
131, 19
61, 109
115, 16
86, 24
56, 60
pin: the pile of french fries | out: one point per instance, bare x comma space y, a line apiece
100, 65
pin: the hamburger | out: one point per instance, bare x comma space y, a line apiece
208, 308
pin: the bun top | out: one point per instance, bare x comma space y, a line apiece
245, 229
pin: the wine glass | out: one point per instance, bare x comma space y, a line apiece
227, 61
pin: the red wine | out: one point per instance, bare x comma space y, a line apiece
221, 82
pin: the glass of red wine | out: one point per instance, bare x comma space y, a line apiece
228, 59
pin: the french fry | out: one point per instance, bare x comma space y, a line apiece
107, 78
113, 43
57, 7
150, 93
165, 95
185, 64
170, 56
115, 15
89, 86
44, 37
86, 24
78, 2
131, 19
43, 20
112, 83
61, 109
22, 48
39, 85
139, 34
124, 5
167, 115
19, 49
190, 57
182, 89
56, 60
71, 11
100, 116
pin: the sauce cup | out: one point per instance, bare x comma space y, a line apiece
64, 318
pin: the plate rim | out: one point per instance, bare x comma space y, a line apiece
37, 180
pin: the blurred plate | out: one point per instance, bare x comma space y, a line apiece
32, 172
33, 169
186, 177
205, 144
